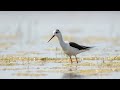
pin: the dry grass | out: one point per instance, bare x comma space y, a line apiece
94, 71
10, 36
30, 74
14, 58
5, 45
105, 67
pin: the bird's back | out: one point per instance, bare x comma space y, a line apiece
80, 47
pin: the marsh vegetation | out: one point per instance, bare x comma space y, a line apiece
25, 53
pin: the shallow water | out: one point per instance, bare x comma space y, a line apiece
35, 70
26, 34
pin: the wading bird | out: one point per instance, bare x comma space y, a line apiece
69, 48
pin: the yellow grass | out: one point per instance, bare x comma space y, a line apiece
29, 74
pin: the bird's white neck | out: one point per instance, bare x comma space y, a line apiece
60, 38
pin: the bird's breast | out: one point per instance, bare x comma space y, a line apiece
66, 49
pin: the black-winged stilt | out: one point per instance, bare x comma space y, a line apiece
69, 48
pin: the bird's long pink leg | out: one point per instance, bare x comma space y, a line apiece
76, 59
71, 60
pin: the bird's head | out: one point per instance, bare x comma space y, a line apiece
56, 33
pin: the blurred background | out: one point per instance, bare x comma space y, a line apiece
25, 33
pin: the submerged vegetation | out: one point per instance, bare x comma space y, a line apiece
14, 58
30, 74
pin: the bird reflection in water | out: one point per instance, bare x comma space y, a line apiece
72, 75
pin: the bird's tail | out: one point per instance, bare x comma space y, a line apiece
90, 47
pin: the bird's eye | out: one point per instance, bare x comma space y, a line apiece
56, 32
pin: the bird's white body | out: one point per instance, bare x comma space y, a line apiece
70, 51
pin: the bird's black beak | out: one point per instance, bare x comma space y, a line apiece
51, 37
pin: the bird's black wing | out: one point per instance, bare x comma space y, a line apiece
80, 47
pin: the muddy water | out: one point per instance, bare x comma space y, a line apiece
26, 34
